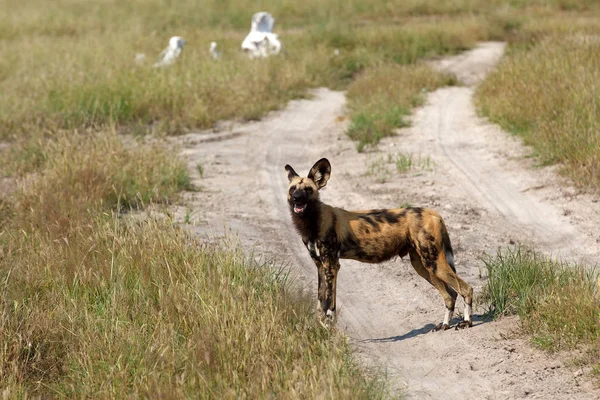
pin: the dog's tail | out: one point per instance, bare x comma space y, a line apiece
447, 247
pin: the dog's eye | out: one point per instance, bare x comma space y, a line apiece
292, 189
308, 190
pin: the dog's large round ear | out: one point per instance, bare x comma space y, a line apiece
290, 172
320, 172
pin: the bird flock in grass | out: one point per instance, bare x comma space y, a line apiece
260, 42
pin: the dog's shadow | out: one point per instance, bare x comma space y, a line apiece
477, 321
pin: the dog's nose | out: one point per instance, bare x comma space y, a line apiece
298, 195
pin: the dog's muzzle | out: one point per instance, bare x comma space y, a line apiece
300, 202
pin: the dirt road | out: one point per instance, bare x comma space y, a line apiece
475, 175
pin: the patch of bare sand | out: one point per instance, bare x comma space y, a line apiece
486, 191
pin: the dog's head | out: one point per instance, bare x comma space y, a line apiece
303, 193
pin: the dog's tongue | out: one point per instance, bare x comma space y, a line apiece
299, 209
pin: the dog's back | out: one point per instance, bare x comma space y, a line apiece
378, 235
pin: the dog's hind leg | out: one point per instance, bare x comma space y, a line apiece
448, 294
446, 271
446, 274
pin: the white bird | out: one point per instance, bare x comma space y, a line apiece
171, 52
213, 51
262, 21
261, 41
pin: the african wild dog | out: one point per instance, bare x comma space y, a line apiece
373, 236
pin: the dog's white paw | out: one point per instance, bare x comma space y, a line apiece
328, 319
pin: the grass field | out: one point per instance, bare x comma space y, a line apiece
73, 65
381, 98
99, 298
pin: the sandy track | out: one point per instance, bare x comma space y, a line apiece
480, 183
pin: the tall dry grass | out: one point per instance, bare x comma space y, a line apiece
98, 302
548, 94
75, 176
143, 309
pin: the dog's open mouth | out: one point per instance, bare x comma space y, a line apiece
299, 208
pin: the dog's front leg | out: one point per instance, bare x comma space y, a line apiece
327, 293
323, 291
321, 288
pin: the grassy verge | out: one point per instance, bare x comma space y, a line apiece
557, 303
381, 99
96, 303
146, 310
545, 91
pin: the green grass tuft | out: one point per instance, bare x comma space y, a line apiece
557, 303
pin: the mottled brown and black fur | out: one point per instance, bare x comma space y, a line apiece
372, 236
